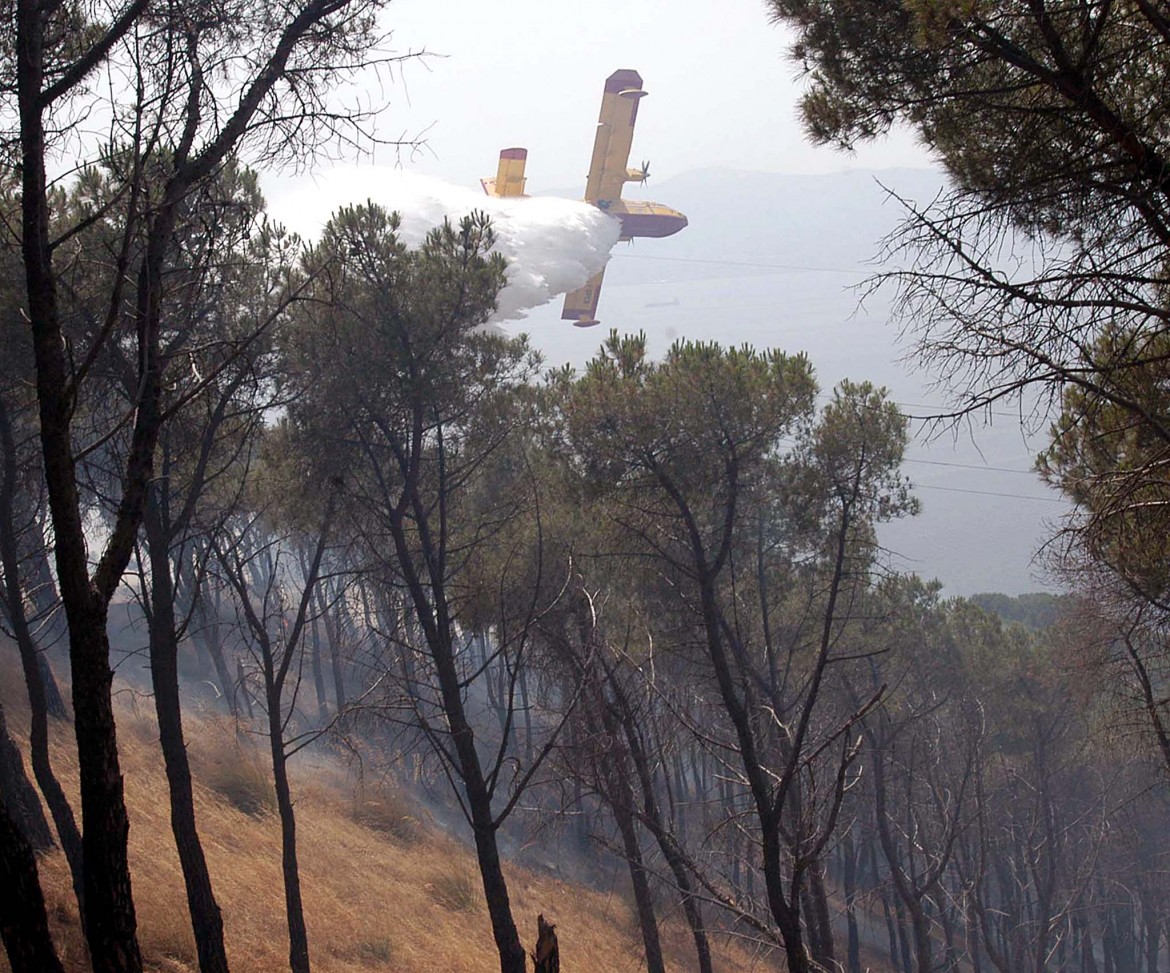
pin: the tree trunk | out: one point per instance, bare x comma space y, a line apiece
786, 916
298, 936
891, 929
18, 794
110, 920
436, 625
947, 918
784, 904
227, 684
526, 709
206, 921
43, 593
59, 807
24, 925
1126, 956
333, 635
495, 888
318, 675
1153, 925
207, 607
54, 703
276, 668
621, 800
923, 950
849, 879
507, 939
904, 948
580, 831
692, 906
1085, 940
242, 688
652, 811
819, 921
30, 661
975, 943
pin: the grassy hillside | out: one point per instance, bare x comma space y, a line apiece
383, 889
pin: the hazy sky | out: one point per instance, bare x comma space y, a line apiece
530, 72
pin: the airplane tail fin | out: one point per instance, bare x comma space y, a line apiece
509, 179
581, 304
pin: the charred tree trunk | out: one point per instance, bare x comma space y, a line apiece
18, 794
24, 925
692, 905
276, 667
1085, 942
1108, 945
59, 807
242, 688
1152, 922
643, 898
891, 929
207, 608
110, 921
38, 700
206, 921
546, 958
783, 897
621, 804
484, 826
849, 879
975, 942
227, 684
318, 675
947, 918
298, 935
43, 593
904, 949
1122, 921
431, 610
653, 818
315, 647
54, 702
333, 633
580, 829
526, 709
819, 922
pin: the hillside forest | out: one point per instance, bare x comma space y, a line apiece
636, 612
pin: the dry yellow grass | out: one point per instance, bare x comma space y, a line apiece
373, 901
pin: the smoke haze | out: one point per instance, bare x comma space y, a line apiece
552, 245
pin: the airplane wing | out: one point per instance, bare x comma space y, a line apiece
615, 134
581, 304
509, 179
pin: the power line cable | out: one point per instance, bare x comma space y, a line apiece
970, 466
988, 493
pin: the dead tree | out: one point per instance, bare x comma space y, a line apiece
546, 958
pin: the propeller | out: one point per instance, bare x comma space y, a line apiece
645, 171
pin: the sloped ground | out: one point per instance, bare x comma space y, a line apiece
383, 890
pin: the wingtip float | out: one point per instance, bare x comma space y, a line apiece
608, 174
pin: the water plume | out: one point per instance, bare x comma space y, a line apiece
552, 245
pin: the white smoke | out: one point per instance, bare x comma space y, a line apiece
552, 245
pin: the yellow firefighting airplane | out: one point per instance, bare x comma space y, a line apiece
607, 175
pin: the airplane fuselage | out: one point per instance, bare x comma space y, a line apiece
643, 219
